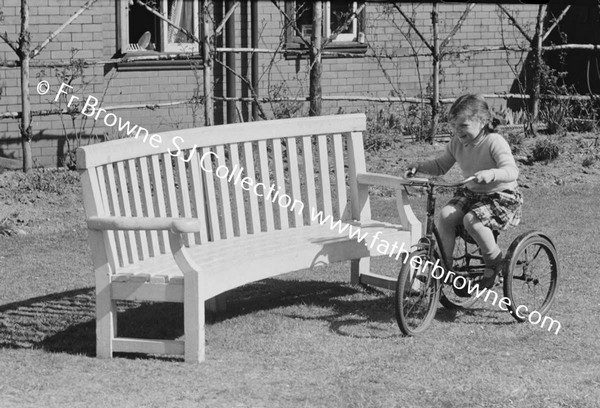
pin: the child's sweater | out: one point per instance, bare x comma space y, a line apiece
489, 152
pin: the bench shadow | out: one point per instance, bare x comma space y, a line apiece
65, 322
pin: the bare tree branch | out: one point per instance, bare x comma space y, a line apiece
254, 96
414, 27
555, 23
515, 23
10, 43
40, 47
458, 25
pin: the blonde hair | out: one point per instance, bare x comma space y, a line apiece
474, 106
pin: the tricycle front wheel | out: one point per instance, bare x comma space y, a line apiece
417, 293
530, 275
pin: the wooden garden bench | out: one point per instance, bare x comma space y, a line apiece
175, 229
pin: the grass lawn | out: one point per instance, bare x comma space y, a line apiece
307, 339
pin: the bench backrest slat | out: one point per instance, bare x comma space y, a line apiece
197, 186
309, 175
280, 181
159, 198
185, 207
253, 199
234, 154
224, 194
340, 177
147, 195
294, 179
324, 175
211, 197
266, 181
137, 207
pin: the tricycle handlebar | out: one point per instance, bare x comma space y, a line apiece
421, 181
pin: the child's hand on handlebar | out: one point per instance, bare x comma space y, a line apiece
484, 176
411, 170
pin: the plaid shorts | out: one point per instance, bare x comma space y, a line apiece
497, 211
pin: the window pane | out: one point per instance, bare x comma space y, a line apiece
304, 17
181, 13
140, 22
340, 13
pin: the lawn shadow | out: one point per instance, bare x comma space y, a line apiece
65, 322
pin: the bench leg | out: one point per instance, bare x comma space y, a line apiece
357, 268
106, 322
193, 320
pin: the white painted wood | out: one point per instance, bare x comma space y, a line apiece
340, 178
379, 281
184, 194
129, 148
198, 198
249, 171
309, 175
129, 345
294, 172
148, 204
210, 195
144, 238
159, 196
123, 195
123, 249
265, 180
149, 198
224, 192
324, 176
142, 291
280, 180
237, 190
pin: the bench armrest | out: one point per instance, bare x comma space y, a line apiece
181, 225
405, 212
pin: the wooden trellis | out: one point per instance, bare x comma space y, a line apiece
437, 50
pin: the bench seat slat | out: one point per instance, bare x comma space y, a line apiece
264, 255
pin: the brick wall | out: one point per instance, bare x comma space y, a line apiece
94, 35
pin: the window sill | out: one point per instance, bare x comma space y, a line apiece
158, 61
350, 48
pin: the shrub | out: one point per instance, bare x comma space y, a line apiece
47, 181
589, 160
545, 150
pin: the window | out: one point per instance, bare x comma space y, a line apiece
338, 20
141, 31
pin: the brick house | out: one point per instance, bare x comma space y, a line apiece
376, 62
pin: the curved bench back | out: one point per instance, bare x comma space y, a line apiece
237, 179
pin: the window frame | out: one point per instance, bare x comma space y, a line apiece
165, 48
342, 43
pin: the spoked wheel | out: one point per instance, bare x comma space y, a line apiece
416, 294
531, 275
466, 257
